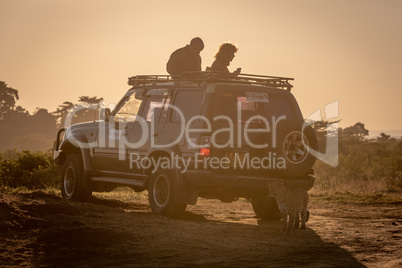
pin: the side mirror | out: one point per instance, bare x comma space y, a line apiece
104, 114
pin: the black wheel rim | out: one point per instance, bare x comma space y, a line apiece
295, 147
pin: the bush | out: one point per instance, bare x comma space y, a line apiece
366, 166
31, 170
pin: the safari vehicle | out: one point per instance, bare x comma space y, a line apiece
201, 134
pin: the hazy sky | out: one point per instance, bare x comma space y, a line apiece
350, 51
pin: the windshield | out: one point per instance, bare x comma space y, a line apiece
129, 107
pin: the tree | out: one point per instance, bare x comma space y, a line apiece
89, 106
84, 111
356, 132
22, 131
62, 111
19, 129
325, 129
88, 100
383, 137
8, 98
43, 122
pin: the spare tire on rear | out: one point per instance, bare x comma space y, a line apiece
293, 142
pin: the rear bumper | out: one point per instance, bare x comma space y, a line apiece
207, 179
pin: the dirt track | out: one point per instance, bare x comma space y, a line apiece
39, 229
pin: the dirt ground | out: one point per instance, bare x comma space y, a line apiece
39, 229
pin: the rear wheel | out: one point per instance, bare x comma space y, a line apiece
72, 179
161, 194
265, 207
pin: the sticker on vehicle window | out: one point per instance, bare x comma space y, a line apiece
256, 96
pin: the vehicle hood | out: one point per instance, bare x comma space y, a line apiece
83, 132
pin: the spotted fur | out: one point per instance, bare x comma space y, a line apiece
290, 203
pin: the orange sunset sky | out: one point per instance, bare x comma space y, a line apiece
346, 51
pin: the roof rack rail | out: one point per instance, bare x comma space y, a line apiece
271, 81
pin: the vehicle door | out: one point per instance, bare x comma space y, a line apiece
186, 104
111, 151
144, 133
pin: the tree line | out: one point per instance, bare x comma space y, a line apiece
20, 130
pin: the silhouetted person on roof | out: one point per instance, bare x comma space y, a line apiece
223, 58
186, 59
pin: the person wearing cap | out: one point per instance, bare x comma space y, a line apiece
186, 59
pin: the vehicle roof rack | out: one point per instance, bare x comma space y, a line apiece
251, 79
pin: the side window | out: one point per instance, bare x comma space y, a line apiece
129, 107
189, 103
154, 109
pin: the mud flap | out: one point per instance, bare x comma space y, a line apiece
184, 193
305, 182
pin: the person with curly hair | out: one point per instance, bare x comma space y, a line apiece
223, 57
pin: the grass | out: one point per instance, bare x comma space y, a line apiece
25, 190
361, 199
367, 172
125, 194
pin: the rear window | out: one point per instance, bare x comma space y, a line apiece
254, 103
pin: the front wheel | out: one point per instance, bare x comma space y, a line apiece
265, 207
161, 194
72, 179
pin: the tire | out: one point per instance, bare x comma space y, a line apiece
292, 145
265, 207
72, 179
161, 194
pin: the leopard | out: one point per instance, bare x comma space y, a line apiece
290, 203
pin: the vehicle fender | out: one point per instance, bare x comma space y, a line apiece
67, 146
